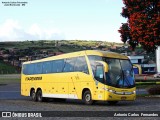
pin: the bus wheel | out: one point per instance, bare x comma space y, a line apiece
112, 102
33, 95
87, 98
39, 96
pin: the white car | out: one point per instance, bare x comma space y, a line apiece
157, 75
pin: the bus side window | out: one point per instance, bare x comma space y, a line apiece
47, 67
31, 69
92, 60
69, 65
81, 65
25, 69
38, 68
57, 66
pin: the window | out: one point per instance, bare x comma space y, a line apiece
47, 67
38, 68
25, 69
99, 73
30, 69
69, 65
57, 66
92, 60
81, 65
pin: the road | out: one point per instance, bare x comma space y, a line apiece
11, 100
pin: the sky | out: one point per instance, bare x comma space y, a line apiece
61, 20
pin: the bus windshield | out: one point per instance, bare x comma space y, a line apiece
120, 73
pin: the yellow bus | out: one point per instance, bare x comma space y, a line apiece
89, 75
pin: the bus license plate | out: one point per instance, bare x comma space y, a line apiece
123, 98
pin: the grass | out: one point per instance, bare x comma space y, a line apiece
10, 78
6, 68
2, 81
144, 85
142, 95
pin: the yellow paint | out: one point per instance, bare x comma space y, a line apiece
73, 83
139, 68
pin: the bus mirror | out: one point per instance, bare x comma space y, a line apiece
105, 67
104, 64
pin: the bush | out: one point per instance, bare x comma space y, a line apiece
154, 90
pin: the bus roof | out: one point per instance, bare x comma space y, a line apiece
82, 53
106, 54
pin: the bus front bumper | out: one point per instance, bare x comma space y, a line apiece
120, 96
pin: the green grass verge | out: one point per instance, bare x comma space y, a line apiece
10, 80
146, 84
142, 95
6, 68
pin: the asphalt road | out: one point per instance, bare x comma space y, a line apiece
11, 100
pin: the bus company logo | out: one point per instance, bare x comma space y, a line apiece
33, 78
6, 114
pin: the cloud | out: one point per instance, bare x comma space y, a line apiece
11, 30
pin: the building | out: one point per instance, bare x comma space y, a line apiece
145, 68
148, 68
136, 59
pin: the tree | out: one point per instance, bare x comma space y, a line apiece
143, 25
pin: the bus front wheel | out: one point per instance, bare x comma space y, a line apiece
87, 98
33, 95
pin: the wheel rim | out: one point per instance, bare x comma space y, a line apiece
88, 97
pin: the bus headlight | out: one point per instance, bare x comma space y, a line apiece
112, 91
134, 92
109, 90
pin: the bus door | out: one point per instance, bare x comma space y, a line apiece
99, 82
72, 86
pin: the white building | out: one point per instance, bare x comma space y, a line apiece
136, 59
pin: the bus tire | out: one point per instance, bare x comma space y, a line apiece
112, 102
87, 98
39, 96
33, 95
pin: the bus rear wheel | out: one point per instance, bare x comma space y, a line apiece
39, 96
33, 95
87, 98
